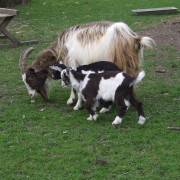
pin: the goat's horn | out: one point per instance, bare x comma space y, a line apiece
23, 58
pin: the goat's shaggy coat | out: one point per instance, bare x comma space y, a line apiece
115, 42
88, 43
109, 86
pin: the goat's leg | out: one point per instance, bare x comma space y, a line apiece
138, 106
106, 107
79, 102
95, 105
89, 106
121, 113
72, 97
128, 104
121, 109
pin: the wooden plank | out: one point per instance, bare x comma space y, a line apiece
8, 15
29, 42
14, 45
4, 15
11, 12
164, 10
8, 45
10, 36
2, 36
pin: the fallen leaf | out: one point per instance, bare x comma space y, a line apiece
32, 101
101, 161
161, 71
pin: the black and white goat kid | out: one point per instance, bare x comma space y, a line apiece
97, 67
110, 86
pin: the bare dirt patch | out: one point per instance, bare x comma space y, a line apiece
167, 37
166, 33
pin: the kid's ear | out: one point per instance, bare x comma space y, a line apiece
67, 71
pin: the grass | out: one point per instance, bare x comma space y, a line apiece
48, 140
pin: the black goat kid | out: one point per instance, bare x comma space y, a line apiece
97, 67
110, 86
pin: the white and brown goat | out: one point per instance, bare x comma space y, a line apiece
110, 86
85, 44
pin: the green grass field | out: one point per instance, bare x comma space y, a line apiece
48, 140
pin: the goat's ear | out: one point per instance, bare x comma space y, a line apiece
56, 68
32, 70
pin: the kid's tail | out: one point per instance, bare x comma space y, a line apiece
139, 77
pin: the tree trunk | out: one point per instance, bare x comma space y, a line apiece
11, 3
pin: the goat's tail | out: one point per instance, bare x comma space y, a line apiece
147, 42
139, 77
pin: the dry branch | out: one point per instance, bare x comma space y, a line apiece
174, 128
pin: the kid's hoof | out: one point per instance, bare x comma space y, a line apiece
76, 108
141, 120
90, 118
104, 110
95, 117
69, 101
117, 121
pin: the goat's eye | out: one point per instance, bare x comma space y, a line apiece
29, 79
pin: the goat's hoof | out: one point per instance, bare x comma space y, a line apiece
69, 101
76, 108
141, 120
90, 118
117, 121
103, 110
95, 117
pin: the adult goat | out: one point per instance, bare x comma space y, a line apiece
85, 44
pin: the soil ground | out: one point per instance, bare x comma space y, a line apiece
165, 33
